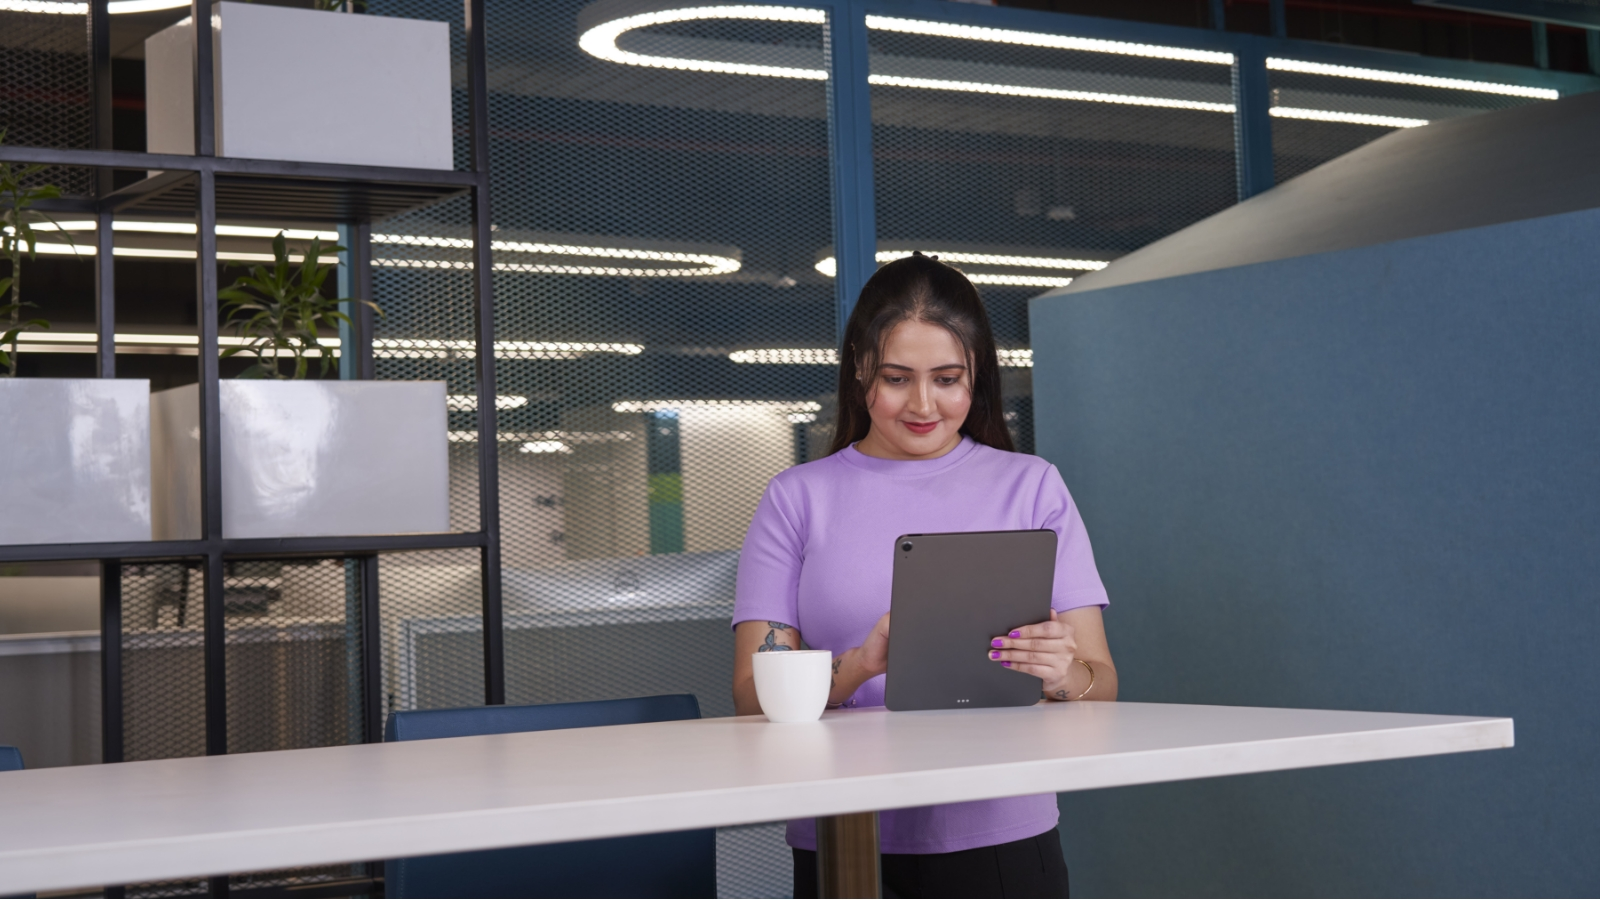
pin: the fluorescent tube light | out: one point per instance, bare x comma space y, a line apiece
1454, 84
634, 406
689, 264
545, 447
1322, 115
566, 437
801, 418
1016, 359
425, 348
162, 253
115, 7
793, 356
469, 402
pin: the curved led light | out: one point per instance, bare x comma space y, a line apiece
829, 266
1454, 84
672, 264
601, 40
115, 7
1053, 41
1322, 115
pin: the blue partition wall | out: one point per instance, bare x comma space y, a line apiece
1367, 479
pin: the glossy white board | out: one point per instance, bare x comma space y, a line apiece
144, 821
392, 73
76, 460
308, 458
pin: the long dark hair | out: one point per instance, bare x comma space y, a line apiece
922, 289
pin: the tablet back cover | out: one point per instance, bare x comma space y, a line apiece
952, 594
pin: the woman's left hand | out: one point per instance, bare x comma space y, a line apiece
1046, 650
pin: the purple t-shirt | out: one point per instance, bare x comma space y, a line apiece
820, 556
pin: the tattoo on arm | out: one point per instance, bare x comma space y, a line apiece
833, 680
772, 638
1061, 694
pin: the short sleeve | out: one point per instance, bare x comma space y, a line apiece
1077, 580
769, 563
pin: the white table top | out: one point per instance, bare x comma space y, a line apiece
144, 821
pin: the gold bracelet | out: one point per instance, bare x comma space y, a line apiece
1091, 678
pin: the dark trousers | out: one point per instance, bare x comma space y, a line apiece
1031, 867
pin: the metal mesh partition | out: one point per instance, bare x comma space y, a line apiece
1316, 117
648, 224
163, 661
293, 660
1026, 163
44, 88
293, 655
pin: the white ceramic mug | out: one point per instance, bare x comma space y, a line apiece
792, 685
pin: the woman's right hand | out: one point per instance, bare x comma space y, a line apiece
858, 664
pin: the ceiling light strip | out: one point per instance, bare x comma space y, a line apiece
1320, 115
1016, 90
825, 356
1454, 84
1052, 41
161, 253
115, 7
786, 406
134, 225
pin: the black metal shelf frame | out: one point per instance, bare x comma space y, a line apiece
194, 184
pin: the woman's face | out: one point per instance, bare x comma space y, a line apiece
920, 397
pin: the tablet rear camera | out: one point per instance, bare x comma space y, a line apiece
905, 547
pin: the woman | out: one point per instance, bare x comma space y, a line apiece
920, 445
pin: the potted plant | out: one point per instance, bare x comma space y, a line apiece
77, 456
302, 456
394, 73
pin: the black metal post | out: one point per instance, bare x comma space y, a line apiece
1279, 18
1252, 119
494, 661
205, 109
372, 699
1219, 19
111, 661
99, 22
361, 315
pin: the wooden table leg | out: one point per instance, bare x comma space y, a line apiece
847, 855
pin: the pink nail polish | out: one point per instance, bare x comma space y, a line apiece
997, 642
994, 654
1016, 634
1007, 664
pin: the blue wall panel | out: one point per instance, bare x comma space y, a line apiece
1365, 480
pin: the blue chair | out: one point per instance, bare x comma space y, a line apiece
679, 864
11, 761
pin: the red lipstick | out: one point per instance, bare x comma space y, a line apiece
921, 427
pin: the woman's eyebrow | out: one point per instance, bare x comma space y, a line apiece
910, 369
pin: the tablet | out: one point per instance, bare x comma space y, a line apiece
954, 593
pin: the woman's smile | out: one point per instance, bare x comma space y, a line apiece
922, 427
